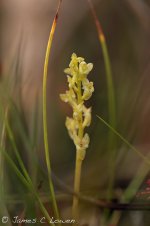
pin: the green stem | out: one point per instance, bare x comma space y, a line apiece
77, 180
79, 96
79, 160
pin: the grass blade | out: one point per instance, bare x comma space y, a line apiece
111, 99
25, 178
109, 77
145, 159
27, 184
45, 129
3, 207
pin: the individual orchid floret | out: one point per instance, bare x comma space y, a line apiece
72, 127
85, 68
69, 97
88, 89
87, 117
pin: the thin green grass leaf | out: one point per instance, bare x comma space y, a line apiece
109, 77
130, 192
3, 206
136, 182
24, 137
111, 99
45, 129
25, 178
145, 159
2, 145
28, 185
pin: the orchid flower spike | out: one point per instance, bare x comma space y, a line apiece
80, 90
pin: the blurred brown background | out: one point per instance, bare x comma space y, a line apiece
25, 27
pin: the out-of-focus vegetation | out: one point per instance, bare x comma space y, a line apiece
113, 173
